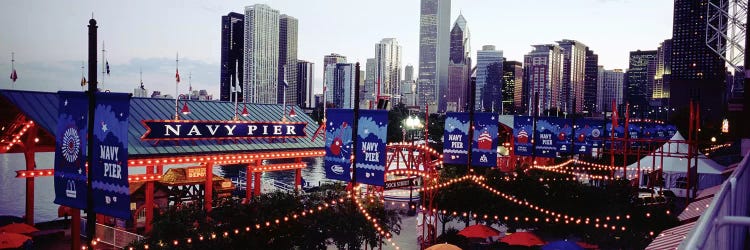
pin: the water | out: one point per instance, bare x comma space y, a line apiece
13, 201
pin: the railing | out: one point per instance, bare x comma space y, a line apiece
115, 237
724, 224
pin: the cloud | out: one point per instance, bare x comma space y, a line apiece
158, 74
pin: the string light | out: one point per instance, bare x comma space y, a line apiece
17, 136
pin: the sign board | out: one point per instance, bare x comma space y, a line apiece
456, 138
484, 141
218, 130
109, 169
338, 146
70, 150
372, 133
545, 137
408, 182
523, 128
196, 173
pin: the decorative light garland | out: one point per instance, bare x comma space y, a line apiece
17, 137
361, 208
553, 219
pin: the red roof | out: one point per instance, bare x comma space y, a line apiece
695, 209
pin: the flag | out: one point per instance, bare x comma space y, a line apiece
177, 75
142, 87
14, 75
107, 67
83, 81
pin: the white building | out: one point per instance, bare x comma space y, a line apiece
261, 54
434, 46
388, 68
543, 71
609, 87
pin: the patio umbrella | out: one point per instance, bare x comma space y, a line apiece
523, 239
12, 240
585, 245
19, 228
444, 246
562, 245
479, 231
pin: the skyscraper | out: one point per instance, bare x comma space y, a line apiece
333, 58
610, 87
305, 93
232, 54
408, 72
639, 85
434, 41
590, 82
388, 69
489, 79
368, 92
287, 59
512, 86
458, 68
543, 71
663, 74
574, 72
340, 84
697, 72
261, 61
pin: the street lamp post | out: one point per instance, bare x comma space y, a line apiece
412, 123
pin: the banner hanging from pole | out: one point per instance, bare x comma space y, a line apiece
372, 131
523, 127
338, 158
70, 150
456, 138
544, 137
484, 141
109, 168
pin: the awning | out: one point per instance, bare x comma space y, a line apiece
671, 238
708, 192
695, 209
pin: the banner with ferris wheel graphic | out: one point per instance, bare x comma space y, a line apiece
70, 150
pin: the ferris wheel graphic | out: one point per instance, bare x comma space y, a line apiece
71, 144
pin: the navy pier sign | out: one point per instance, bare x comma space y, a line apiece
218, 130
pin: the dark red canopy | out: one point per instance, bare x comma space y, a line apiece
523, 239
479, 231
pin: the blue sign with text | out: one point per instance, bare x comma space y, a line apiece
545, 136
70, 150
110, 188
523, 127
484, 141
215, 130
372, 132
456, 138
338, 158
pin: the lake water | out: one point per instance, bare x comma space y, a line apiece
13, 201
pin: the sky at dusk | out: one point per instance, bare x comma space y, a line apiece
49, 38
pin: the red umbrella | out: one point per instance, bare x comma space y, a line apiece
444, 246
20, 228
523, 239
479, 231
587, 245
12, 240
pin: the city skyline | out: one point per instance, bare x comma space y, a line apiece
134, 42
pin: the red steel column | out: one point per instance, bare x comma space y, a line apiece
149, 200
248, 179
28, 154
297, 175
256, 185
209, 187
75, 229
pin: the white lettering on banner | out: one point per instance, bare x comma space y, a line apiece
454, 137
230, 129
251, 129
290, 130
109, 153
276, 129
194, 131
457, 144
265, 129
174, 130
370, 149
212, 131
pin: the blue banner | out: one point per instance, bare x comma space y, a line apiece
523, 127
484, 141
589, 134
545, 136
634, 130
215, 130
648, 130
70, 150
671, 130
111, 192
660, 131
338, 159
372, 132
619, 130
564, 138
456, 138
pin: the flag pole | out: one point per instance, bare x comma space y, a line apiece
176, 82
83, 79
104, 68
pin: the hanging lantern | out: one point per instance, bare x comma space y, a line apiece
185, 109
244, 111
292, 113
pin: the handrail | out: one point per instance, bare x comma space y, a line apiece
724, 224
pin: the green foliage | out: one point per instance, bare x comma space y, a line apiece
340, 224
